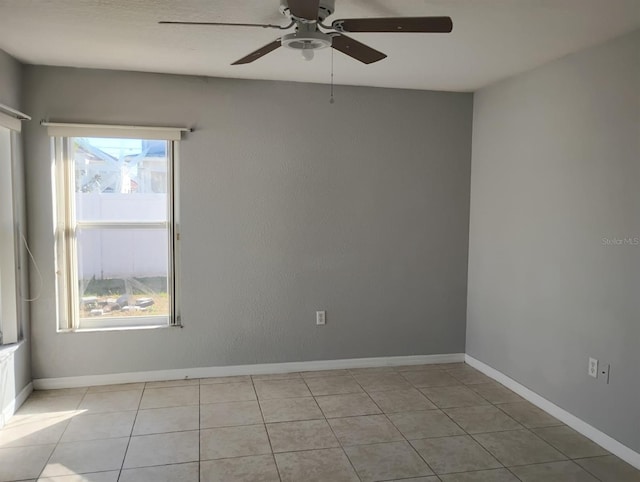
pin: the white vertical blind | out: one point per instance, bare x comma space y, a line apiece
8, 240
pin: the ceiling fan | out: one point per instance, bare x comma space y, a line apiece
307, 17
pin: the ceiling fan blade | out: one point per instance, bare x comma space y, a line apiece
357, 50
262, 51
225, 24
395, 24
307, 9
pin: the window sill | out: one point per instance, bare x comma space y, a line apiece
8, 350
119, 328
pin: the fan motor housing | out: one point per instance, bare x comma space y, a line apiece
326, 8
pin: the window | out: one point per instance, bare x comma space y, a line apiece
9, 235
115, 230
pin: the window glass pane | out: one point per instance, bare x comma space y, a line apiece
120, 179
123, 273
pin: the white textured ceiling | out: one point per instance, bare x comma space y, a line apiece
491, 39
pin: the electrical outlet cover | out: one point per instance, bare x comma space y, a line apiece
593, 367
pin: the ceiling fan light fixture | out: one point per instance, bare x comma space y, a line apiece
306, 42
307, 54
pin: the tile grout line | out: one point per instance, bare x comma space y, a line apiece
467, 385
400, 431
397, 372
557, 461
512, 473
452, 420
476, 441
461, 383
333, 432
508, 468
447, 415
61, 435
133, 425
528, 429
403, 435
497, 405
445, 370
287, 452
264, 423
588, 471
568, 459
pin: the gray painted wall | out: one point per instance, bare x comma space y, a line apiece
15, 368
555, 169
10, 80
289, 205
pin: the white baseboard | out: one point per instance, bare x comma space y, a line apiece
13, 406
224, 371
601, 438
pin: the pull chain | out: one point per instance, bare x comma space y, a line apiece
331, 100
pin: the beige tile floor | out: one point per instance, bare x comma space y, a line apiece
416, 423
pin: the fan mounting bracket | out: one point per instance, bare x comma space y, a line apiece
326, 8
337, 25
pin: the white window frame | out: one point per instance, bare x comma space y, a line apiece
66, 225
10, 309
